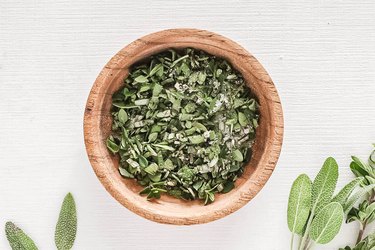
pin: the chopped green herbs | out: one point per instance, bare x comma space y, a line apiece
184, 125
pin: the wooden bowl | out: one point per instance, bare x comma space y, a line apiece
97, 127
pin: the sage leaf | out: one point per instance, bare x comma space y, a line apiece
327, 223
196, 139
360, 168
357, 196
242, 119
347, 190
324, 184
237, 155
122, 116
18, 240
125, 173
155, 69
151, 169
66, 227
163, 147
370, 213
141, 79
112, 146
143, 162
299, 204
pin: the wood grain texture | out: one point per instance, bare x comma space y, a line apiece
320, 55
168, 210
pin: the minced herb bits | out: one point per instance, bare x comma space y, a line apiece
183, 125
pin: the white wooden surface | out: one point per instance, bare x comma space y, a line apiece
320, 54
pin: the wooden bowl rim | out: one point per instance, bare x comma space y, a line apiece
100, 163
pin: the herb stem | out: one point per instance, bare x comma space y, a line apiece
364, 224
291, 242
306, 235
308, 244
361, 231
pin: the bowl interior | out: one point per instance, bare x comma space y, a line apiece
266, 149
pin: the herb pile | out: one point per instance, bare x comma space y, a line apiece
184, 125
316, 215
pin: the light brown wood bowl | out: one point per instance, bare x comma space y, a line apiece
97, 127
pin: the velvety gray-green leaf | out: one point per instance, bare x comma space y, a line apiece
360, 168
327, 223
357, 196
18, 240
66, 227
347, 190
324, 184
299, 204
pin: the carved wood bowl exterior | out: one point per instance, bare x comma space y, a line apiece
169, 210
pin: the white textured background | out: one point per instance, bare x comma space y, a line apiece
320, 54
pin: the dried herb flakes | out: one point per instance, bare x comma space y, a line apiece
184, 125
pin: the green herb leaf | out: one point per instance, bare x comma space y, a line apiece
156, 69
237, 155
347, 190
357, 196
157, 89
122, 116
141, 79
324, 184
143, 162
360, 168
327, 223
66, 227
299, 204
196, 139
164, 147
18, 240
152, 169
112, 146
125, 173
242, 119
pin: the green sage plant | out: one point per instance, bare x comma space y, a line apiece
183, 124
315, 214
362, 207
65, 233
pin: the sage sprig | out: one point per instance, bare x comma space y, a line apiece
360, 207
321, 219
65, 233
316, 215
183, 124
